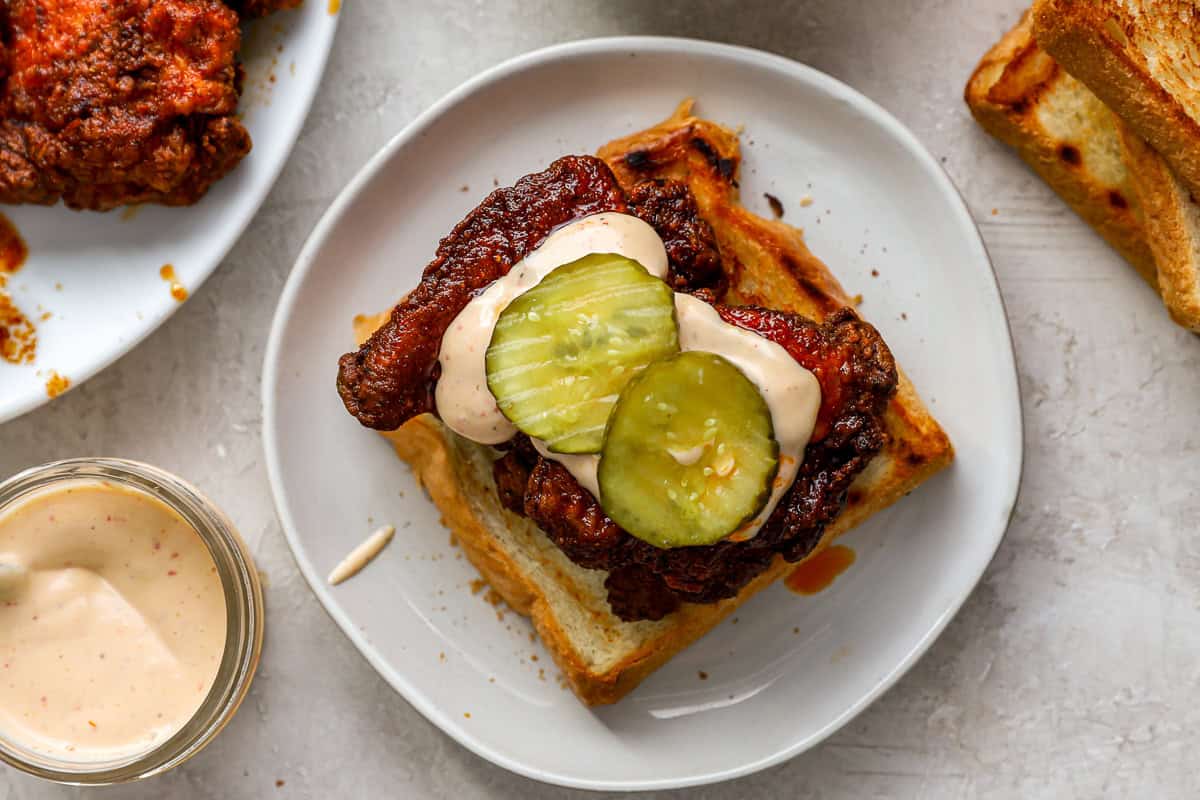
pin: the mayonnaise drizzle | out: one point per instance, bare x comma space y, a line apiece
465, 404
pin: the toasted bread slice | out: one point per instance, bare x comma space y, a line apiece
1104, 171
1142, 58
601, 656
1020, 95
1171, 217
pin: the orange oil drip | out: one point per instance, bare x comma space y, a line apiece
820, 571
178, 291
18, 335
56, 384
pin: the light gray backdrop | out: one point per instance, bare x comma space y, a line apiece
1071, 671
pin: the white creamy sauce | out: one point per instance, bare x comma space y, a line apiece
465, 404
463, 400
362, 555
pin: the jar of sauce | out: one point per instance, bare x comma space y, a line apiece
131, 621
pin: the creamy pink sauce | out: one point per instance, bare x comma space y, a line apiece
112, 621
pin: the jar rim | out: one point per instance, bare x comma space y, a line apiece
245, 618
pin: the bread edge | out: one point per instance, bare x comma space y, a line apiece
1120, 227
1076, 36
1166, 206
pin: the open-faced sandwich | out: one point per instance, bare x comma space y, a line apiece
634, 402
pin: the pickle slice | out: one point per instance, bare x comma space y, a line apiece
689, 454
562, 351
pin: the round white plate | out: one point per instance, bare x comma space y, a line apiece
97, 275
883, 203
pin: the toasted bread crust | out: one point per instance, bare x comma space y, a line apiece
1172, 219
1141, 61
766, 262
1015, 93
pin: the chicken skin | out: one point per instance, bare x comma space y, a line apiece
113, 102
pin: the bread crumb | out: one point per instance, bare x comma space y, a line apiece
874, 273
477, 585
903, 315
467, 714
733, 621
795, 630
493, 597
464, 188
703, 675
279, 783
806, 201
995, 211
858, 299
442, 657
533, 657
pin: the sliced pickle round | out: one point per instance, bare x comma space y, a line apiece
689, 454
562, 351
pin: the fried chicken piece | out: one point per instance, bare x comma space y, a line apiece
857, 376
391, 377
669, 208
110, 102
260, 8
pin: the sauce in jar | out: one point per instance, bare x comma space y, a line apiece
112, 621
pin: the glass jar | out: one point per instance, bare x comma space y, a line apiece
244, 620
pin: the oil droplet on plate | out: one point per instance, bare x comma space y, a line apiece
56, 384
820, 571
13, 251
178, 291
18, 336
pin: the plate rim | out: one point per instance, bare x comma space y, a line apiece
36, 401
350, 192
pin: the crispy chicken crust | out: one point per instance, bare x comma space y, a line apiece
110, 102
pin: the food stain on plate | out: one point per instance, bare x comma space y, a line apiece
178, 291
820, 571
18, 335
56, 384
262, 46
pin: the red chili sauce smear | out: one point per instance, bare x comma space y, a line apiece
820, 571
18, 336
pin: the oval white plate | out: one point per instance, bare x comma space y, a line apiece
770, 693
97, 275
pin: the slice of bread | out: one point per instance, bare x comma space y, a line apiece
1120, 187
602, 657
1142, 58
1171, 217
1020, 95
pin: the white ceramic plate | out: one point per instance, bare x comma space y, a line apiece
97, 275
882, 203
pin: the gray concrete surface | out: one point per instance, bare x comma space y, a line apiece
1071, 672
